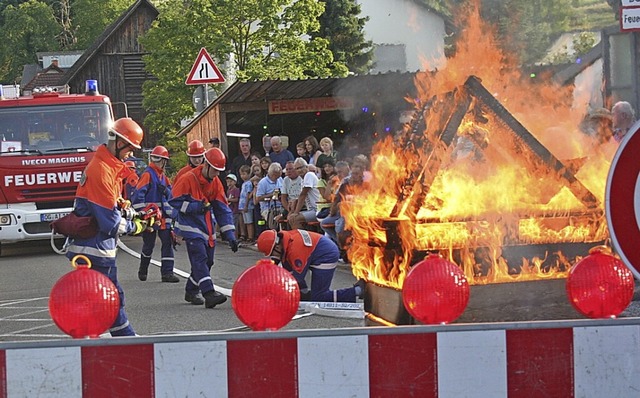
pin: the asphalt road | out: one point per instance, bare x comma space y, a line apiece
28, 272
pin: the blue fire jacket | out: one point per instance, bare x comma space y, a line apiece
154, 187
193, 219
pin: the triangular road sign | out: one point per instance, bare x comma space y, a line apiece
204, 71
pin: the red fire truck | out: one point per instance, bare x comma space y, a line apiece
46, 140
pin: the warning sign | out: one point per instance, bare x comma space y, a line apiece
204, 70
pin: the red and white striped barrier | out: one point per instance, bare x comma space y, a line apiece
551, 359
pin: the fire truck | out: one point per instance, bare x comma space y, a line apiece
46, 140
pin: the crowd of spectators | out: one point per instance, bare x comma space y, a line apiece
286, 192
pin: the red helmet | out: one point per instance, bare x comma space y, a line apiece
160, 152
127, 129
130, 164
215, 157
196, 148
267, 241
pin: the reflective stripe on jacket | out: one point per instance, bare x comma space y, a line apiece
189, 193
97, 196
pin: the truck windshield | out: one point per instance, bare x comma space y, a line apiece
53, 128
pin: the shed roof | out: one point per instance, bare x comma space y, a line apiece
245, 103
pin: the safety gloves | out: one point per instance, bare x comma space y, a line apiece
140, 226
206, 206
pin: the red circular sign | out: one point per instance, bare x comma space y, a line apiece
622, 200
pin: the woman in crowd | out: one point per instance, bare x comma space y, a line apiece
327, 185
313, 150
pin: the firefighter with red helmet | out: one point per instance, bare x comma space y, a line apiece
199, 202
154, 188
300, 251
97, 196
195, 154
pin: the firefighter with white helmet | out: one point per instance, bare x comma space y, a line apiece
97, 196
195, 154
154, 189
199, 203
300, 251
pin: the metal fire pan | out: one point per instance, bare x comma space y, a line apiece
498, 302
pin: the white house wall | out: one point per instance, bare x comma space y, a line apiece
393, 23
589, 86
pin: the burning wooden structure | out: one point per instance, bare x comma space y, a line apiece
468, 180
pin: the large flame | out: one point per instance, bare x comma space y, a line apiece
484, 194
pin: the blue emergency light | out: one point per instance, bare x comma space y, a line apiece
91, 87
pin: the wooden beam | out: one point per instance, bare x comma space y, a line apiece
244, 107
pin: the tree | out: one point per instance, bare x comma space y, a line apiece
28, 28
524, 28
256, 39
89, 18
339, 23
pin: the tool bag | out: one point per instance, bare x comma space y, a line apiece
75, 227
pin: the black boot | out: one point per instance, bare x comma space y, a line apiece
213, 298
142, 271
171, 278
195, 299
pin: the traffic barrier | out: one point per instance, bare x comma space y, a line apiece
582, 358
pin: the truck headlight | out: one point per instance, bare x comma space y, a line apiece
5, 219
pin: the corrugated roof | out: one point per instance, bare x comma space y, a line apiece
388, 89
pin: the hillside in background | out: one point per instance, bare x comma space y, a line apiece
591, 15
586, 14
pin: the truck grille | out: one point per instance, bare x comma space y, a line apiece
37, 228
49, 194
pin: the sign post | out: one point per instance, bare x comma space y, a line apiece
622, 200
204, 71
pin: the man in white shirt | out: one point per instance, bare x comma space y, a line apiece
309, 196
291, 188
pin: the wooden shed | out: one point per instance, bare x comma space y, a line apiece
358, 108
115, 60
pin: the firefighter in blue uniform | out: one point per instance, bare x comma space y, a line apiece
154, 188
98, 196
199, 202
300, 251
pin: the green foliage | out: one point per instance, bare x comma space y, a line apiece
260, 39
581, 43
527, 28
91, 17
28, 28
341, 26
31, 26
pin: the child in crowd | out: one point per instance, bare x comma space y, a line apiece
326, 144
301, 150
256, 170
264, 164
233, 197
258, 222
245, 203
